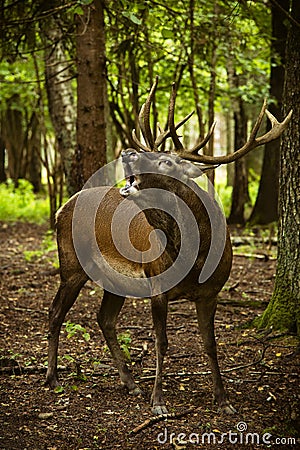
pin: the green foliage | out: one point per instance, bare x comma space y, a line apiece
22, 204
17, 91
146, 39
124, 340
46, 251
74, 329
225, 194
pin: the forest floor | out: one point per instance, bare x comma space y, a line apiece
260, 369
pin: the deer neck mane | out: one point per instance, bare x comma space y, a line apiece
176, 199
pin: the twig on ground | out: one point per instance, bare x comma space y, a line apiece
153, 420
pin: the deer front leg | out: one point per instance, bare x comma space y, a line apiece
159, 307
63, 301
205, 314
107, 318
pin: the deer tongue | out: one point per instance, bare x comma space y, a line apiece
131, 186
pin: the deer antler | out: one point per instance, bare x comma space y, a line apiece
144, 122
192, 154
253, 141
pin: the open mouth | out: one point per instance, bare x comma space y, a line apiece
131, 186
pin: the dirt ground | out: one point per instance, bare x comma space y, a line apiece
260, 370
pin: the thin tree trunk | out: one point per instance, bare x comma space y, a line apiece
191, 64
60, 96
2, 161
13, 135
240, 195
33, 154
211, 99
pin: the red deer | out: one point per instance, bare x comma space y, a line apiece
150, 174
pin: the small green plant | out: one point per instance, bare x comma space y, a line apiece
59, 390
74, 328
21, 203
124, 340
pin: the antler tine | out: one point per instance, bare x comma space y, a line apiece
141, 119
253, 142
165, 134
148, 136
277, 128
204, 141
171, 124
144, 123
138, 142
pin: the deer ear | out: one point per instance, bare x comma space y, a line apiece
195, 170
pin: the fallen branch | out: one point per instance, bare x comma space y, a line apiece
263, 256
153, 420
20, 370
242, 303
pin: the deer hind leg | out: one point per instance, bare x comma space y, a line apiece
205, 314
63, 301
159, 307
111, 306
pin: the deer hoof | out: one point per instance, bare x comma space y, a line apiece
52, 382
159, 410
136, 391
229, 409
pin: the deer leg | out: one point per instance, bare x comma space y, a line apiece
159, 307
63, 301
111, 306
205, 315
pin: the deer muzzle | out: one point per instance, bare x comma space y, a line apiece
129, 160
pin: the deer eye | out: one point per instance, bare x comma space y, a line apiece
133, 156
167, 162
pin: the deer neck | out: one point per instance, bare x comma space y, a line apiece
180, 205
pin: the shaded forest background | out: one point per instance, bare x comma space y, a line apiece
94, 62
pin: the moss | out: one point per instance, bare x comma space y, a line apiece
282, 312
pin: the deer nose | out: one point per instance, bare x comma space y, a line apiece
128, 155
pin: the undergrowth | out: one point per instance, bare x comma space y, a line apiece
21, 203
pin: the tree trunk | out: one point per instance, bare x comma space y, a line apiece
283, 311
212, 94
2, 161
266, 206
240, 195
13, 135
33, 154
60, 96
90, 152
229, 147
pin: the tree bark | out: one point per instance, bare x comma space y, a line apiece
240, 195
90, 152
34, 168
2, 161
13, 136
60, 95
266, 206
283, 311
